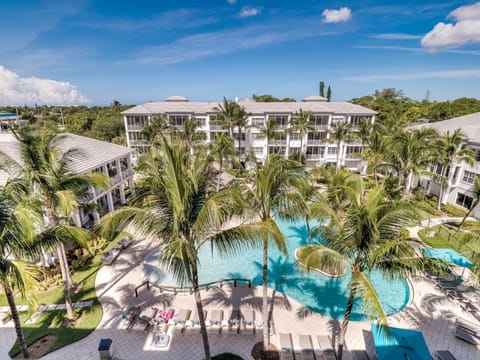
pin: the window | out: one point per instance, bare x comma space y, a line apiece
258, 121
332, 151
469, 177
202, 121
294, 150
464, 200
177, 120
353, 149
337, 118
315, 152
356, 119
295, 136
318, 136
320, 120
281, 120
236, 136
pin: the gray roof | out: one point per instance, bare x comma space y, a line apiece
255, 108
91, 153
470, 125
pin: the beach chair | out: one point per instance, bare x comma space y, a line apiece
214, 322
231, 324
258, 322
306, 347
468, 326
194, 322
286, 346
469, 307
326, 347
148, 314
180, 319
445, 355
248, 322
466, 336
448, 285
360, 355
129, 316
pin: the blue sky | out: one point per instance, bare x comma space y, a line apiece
95, 51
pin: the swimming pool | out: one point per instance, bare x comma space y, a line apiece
315, 291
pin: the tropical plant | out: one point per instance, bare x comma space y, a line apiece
476, 193
272, 194
340, 132
301, 123
368, 235
222, 151
227, 115
240, 122
158, 125
365, 129
18, 222
449, 151
176, 204
47, 171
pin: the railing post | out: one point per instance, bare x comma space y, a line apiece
234, 282
249, 283
148, 285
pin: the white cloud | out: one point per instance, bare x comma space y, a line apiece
250, 11
17, 90
232, 2
466, 29
335, 16
395, 36
446, 74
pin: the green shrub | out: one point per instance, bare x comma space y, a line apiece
453, 210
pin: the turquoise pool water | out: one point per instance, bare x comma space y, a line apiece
315, 291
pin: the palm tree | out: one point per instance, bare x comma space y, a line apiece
222, 150
367, 235
410, 152
272, 193
449, 151
268, 131
339, 133
47, 171
18, 222
158, 125
476, 193
240, 122
365, 129
227, 115
301, 123
176, 204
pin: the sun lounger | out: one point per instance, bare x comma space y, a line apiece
469, 307
326, 347
360, 355
180, 319
286, 346
466, 336
148, 314
258, 322
468, 326
445, 355
306, 347
214, 322
129, 316
194, 322
231, 323
448, 285
248, 322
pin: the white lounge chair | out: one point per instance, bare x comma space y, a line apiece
468, 326
214, 322
326, 347
180, 319
231, 324
248, 322
286, 346
306, 347
194, 322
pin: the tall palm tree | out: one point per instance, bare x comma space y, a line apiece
47, 170
221, 151
176, 204
410, 152
240, 122
272, 193
365, 129
367, 235
476, 193
449, 151
227, 115
268, 131
301, 123
18, 222
340, 133
158, 125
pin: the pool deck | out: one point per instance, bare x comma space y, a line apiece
429, 311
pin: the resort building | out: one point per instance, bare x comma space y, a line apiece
460, 175
7, 120
316, 145
93, 156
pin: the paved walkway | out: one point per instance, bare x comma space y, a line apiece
429, 311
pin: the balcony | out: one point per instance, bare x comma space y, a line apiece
216, 127
279, 142
314, 156
321, 127
282, 126
316, 142
135, 127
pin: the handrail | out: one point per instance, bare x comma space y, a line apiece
205, 286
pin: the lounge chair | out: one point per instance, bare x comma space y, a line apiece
231, 323
214, 322
129, 316
180, 319
306, 347
326, 347
258, 322
468, 326
360, 355
445, 355
194, 323
286, 346
448, 285
148, 314
466, 336
469, 307
248, 322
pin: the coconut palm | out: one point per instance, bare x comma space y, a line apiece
158, 125
227, 115
272, 193
46, 169
476, 193
240, 122
367, 235
268, 131
340, 133
176, 204
365, 129
222, 150
18, 222
449, 151
301, 123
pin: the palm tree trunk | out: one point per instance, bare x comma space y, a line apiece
309, 237
66, 278
338, 155
346, 319
201, 318
220, 168
467, 215
266, 338
16, 322
239, 142
440, 195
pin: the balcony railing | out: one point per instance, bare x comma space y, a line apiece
216, 127
279, 142
314, 156
316, 142
134, 127
321, 127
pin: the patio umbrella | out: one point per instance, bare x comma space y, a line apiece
402, 344
448, 255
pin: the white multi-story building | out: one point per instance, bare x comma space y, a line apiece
316, 145
93, 156
460, 175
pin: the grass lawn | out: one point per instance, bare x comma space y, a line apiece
50, 322
443, 238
